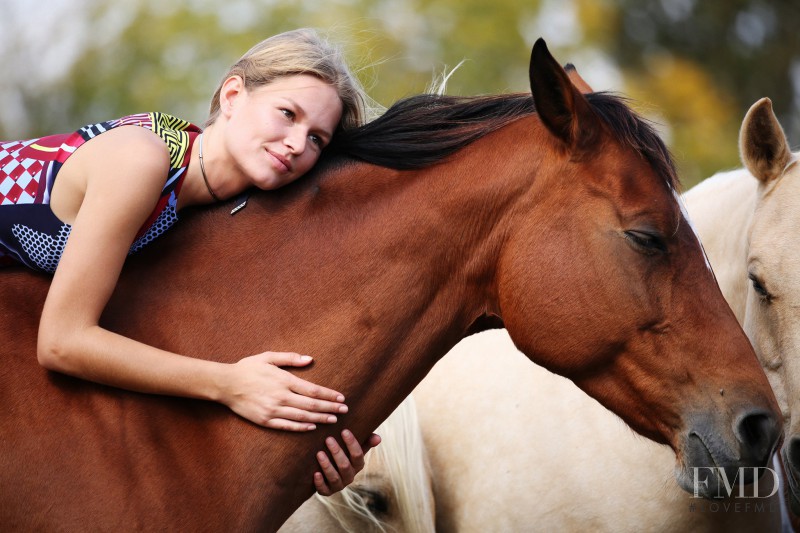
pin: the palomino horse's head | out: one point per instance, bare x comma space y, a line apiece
772, 315
603, 251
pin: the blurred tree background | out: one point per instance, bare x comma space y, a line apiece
693, 67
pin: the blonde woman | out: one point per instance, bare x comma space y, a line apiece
76, 205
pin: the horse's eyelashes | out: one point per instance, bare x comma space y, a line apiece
758, 286
649, 243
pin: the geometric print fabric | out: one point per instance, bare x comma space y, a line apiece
28, 169
19, 179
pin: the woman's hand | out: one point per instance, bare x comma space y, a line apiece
338, 474
256, 389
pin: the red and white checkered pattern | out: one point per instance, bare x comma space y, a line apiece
19, 178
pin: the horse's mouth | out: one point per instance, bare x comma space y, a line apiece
698, 460
707, 474
694, 436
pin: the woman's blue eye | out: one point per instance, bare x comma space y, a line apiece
288, 113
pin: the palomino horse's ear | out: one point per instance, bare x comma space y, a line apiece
762, 143
560, 105
577, 80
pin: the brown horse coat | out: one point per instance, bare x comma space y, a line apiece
563, 223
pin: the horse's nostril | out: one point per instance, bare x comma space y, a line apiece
758, 433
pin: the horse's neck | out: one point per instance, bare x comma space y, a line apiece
354, 261
721, 209
419, 249
375, 273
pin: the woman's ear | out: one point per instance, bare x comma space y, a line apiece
232, 88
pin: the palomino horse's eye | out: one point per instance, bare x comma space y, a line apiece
645, 242
759, 288
375, 500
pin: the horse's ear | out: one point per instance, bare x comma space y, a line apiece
577, 80
763, 146
560, 105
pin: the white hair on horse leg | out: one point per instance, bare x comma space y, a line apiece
685, 214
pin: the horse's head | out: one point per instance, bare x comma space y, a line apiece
772, 315
602, 250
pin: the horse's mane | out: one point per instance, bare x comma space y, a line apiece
422, 130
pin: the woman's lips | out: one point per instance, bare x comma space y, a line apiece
280, 163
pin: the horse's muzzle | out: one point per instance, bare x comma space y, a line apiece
715, 460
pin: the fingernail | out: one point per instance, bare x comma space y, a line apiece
340, 398
331, 419
330, 441
343, 409
346, 434
305, 358
311, 427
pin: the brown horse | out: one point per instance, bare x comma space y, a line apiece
454, 214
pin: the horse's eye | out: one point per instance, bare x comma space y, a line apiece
758, 286
376, 501
645, 242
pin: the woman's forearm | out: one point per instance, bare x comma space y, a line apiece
99, 355
254, 387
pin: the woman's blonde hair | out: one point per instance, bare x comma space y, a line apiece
301, 51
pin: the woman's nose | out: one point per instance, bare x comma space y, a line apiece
296, 140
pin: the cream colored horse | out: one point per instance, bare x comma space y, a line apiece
753, 228
392, 494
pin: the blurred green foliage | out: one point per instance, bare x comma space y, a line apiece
693, 67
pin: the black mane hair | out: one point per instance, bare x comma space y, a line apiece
422, 130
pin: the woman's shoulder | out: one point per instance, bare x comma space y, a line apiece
130, 144
120, 161
175, 133
172, 131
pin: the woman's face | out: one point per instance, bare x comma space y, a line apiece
275, 133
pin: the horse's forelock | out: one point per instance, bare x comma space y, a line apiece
637, 133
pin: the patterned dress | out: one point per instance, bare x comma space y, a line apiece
30, 233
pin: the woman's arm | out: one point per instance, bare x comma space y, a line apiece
124, 172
